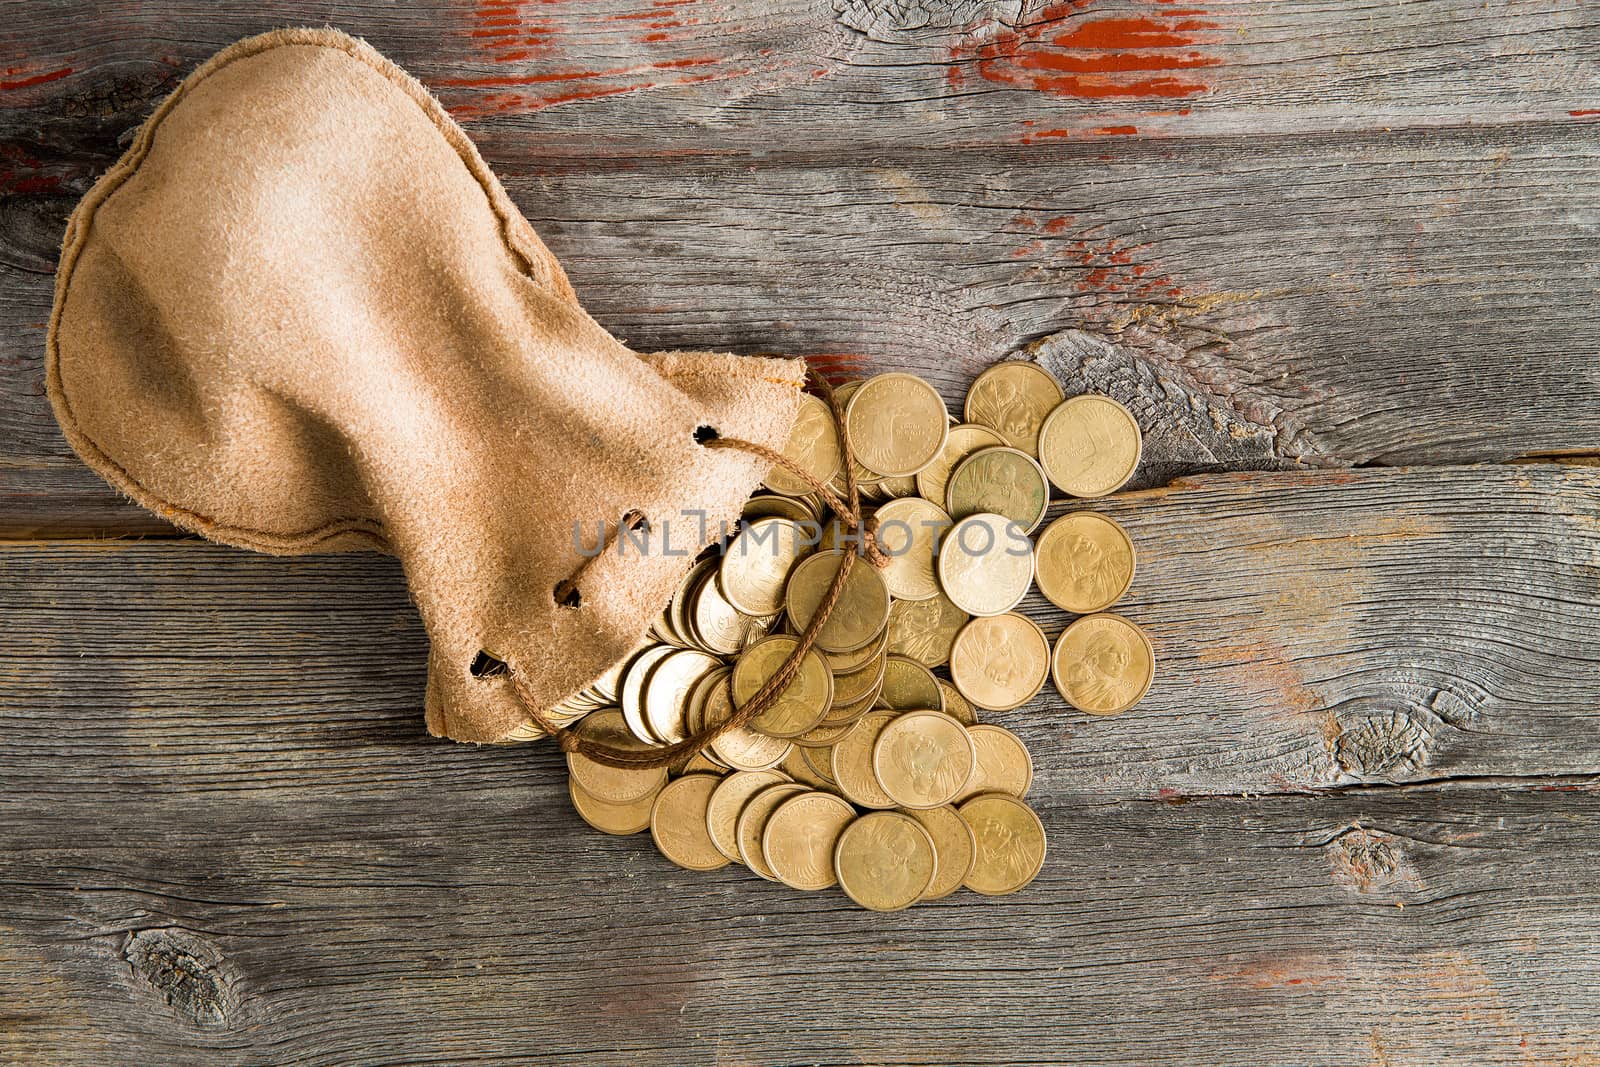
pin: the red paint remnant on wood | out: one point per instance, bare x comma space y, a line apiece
1115, 131
1585, 113
1065, 52
10, 79
519, 34
836, 367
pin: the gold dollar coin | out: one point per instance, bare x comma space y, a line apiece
1103, 664
728, 801
717, 625
1010, 844
986, 564
954, 846
956, 706
799, 839
885, 861
925, 629
1000, 662
753, 822
908, 684
856, 686
1002, 481
631, 691
771, 506
665, 697
801, 705
820, 761
682, 597
613, 785
909, 531
1013, 399
897, 424
923, 759
898, 487
700, 763
757, 564
962, 442
1003, 763
813, 444
850, 662
741, 748
1090, 445
852, 762
1085, 562
608, 818
678, 823
859, 615
797, 765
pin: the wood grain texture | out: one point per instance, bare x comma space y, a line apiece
1365, 235
1233, 297
622, 78
1314, 632
1353, 823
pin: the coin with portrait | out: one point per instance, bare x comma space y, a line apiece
1103, 664
962, 442
1004, 481
1000, 662
813, 445
1013, 399
923, 759
885, 861
1085, 562
925, 629
801, 704
757, 562
860, 613
1010, 844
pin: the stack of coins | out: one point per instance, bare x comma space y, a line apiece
871, 770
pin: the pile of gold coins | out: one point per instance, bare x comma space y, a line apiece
871, 771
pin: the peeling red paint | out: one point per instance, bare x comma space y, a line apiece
1115, 131
836, 367
1064, 51
28, 78
1585, 113
1107, 264
525, 38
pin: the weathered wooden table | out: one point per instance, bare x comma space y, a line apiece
1339, 257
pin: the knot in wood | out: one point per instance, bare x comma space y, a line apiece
187, 971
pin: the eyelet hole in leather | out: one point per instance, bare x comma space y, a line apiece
486, 666
702, 434
635, 520
566, 594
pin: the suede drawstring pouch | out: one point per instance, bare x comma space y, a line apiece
301, 315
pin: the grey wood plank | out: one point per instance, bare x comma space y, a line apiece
461, 913
1313, 633
619, 78
1270, 303
224, 839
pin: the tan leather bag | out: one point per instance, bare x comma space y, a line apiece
301, 315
